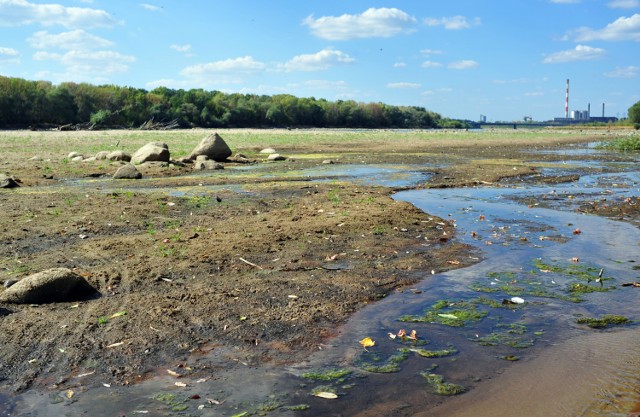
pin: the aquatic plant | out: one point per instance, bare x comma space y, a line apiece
449, 313
440, 386
608, 320
327, 375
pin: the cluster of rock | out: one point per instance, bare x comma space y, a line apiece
208, 155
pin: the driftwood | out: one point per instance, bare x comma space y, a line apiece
79, 126
152, 125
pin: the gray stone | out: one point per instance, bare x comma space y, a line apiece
214, 147
50, 286
78, 158
127, 172
152, 152
119, 156
8, 182
207, 165
102, 155
328, 162
90, 159
73, 155
276, 157
201, 158
268, 151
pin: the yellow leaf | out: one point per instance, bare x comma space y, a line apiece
70, 394
367, 342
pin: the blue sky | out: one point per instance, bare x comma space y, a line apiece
459, 58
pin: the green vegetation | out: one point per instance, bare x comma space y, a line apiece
31, 103
374, 363
608, 320
440, 386
433, 353
328, 375
631, 143
449, 313
634, 114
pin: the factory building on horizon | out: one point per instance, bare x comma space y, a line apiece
581, 116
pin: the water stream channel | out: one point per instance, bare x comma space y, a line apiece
504, 330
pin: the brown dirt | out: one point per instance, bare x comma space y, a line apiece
270, 270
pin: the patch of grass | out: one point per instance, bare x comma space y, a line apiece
608, 320
172, 401
512, 335
440, 386
379, 230
199, 201
631, 143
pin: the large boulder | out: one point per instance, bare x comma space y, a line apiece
207, 165
7, 181
127, 172
152, 152
50, 286
214, 147
119, 156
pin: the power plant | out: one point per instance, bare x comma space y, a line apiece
581, 116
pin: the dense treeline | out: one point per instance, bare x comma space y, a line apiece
26, 103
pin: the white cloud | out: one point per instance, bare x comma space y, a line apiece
326, 84
624, 72
373, 23
8, 51
429, 52
150, 7
9, 56
21, 12
76, 39
319, 61
622, 29
453, 23
464, 64
181, 48
399, 65
245, 65
85, 64
403, 85
431, 64
580, 53
624, 4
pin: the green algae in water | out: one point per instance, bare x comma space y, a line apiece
513, 335
440, 386
172, 401
434, 353
299, 407
449, 313
375, 364
608, 320
328, 375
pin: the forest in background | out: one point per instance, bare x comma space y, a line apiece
41, 104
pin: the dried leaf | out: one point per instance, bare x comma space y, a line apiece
367, 342
413, 335
326, 395
118, 314
115, 345
392, 336
70, 394
173, 373
448, 316
180, 384
517, 300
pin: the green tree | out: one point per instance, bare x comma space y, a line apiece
634, 113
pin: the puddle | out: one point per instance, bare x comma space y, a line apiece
516, 359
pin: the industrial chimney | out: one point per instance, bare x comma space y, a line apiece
602, 109
566, 103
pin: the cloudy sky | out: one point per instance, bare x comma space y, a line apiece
460, 58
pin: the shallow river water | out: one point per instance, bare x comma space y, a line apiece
529, 358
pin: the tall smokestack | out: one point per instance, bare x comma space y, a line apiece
602, 109
566, 103
589, 111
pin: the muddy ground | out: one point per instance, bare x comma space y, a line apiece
265, 269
